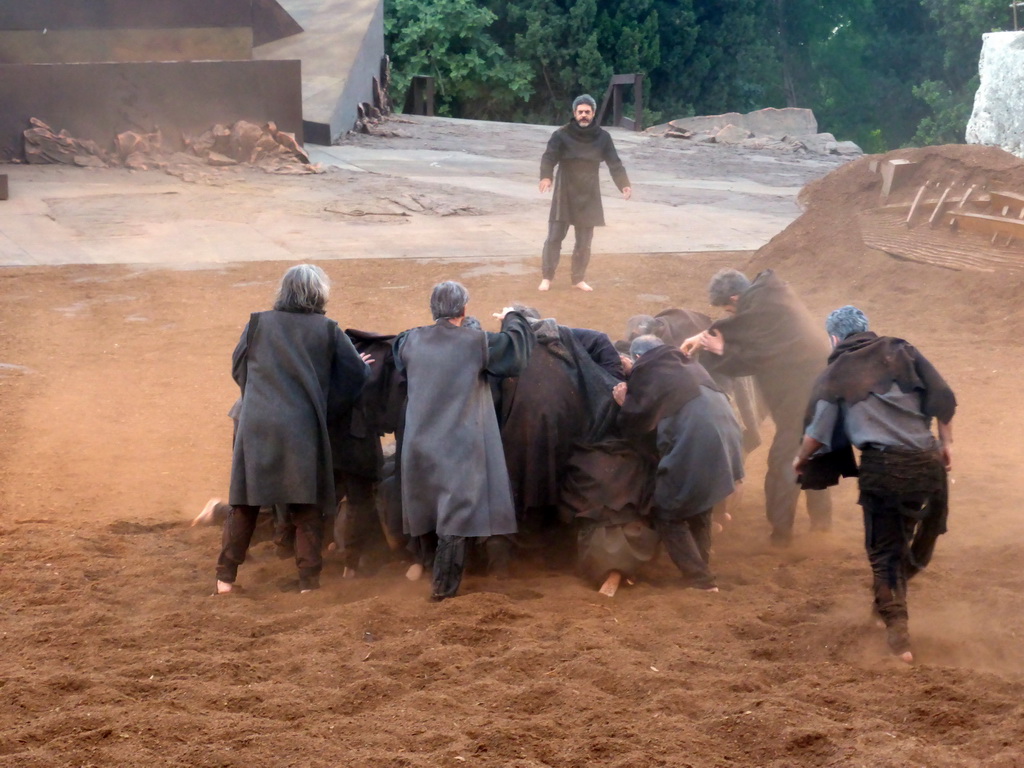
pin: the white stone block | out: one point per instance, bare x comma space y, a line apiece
998, 116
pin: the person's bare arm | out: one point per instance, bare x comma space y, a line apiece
946, 443
713, 342
807, 449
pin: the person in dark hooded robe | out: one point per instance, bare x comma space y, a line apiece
768, 333
672, 409
578, 149
606, 493
297, 371
454, 481
563, 395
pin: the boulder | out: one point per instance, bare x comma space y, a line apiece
790, 121
732, 134
998, 116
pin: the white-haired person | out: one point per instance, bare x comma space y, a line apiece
453, 474
296, 370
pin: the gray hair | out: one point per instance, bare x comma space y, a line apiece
584, 98
304, 288
725, 284
643, 344
448, 299
846, 321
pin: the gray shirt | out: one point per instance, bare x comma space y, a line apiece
891, 420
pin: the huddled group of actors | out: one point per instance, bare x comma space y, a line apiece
552, 442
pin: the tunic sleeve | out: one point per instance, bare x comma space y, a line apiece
550, 157
508, 352
239, 359
823, 424
618, 171
601, 350
348, 371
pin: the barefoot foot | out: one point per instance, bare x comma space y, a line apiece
348, 573
545, 285
415, 572
611, 584
224, 587
583, 286
206, 516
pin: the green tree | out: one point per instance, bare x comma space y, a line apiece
949, 92
448, 40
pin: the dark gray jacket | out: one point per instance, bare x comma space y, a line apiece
297, 372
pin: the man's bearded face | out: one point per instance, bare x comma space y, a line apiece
584, 115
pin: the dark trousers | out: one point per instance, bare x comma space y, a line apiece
781, 490
688, 542
552, 253
899, 536
357, 528
449, 563
305, 519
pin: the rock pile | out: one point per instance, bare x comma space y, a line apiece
788, 130
242, 143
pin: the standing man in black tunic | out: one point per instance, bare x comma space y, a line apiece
577, 148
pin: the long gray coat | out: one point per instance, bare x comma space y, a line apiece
299, 371
454, 478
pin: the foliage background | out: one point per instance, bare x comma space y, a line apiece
883, 73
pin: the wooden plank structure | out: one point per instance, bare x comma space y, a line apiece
894, 172
885, 231
1013, 202
616, 87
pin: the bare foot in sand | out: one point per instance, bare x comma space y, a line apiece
415, 572
611, 584
225, 587
583, 286
906, 657
545, 285
348, 573
206, 516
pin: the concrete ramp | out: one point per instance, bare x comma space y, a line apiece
341, 49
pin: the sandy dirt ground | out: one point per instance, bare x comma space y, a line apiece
114, 390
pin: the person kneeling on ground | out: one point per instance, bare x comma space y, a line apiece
672, 408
